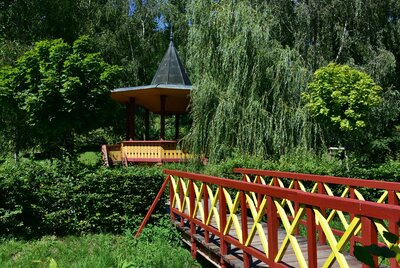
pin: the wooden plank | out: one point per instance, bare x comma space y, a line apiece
235, 256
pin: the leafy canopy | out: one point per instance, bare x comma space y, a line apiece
58, 89
342, 96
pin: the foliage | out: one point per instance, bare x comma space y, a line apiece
41, 198
247, 86
365, 253
299, 160
342, 97
56, 90
100, 250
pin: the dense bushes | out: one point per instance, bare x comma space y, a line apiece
65, 197
39, 198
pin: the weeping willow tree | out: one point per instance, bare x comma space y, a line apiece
247, 89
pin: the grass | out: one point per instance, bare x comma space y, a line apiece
90, 158
100, 250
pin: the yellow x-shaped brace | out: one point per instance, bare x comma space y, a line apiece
233, 218
253, 195
257, 216
290, 229
177, 198
213, 209
199, 205
335, 245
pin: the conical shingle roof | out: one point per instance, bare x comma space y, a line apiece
171, 70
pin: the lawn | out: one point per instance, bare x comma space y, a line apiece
95, 250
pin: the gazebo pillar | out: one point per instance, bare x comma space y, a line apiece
130, 119
177, 127
146, 124
162, 117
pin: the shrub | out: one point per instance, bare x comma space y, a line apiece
41, 198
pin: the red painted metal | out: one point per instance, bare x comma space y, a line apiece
296, 205
171, 198
311, 239
192, 216
369, 236
155, 160
153, 206
322, 237
222, 222
243, 215
393, 227
375, 210
365, 209
273, 226
206, 213
384, 185
352, 240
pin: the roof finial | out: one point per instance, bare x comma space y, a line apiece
171, 36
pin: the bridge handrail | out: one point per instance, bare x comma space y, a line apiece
358, 207
355, 182
198, 199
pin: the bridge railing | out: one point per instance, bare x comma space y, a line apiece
360, 189
220, 207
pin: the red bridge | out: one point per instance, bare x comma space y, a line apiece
281, 219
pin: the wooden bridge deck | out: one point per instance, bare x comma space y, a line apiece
234, 258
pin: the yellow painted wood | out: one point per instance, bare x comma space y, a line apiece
152, 150
358, 195
301, 185
262, 180
257, 216
381, 227
290, 228
199, 204
185, 190
331, 239
233, 218
383, 197
176, 198
213, 210
334, 212
350, 231
286, 201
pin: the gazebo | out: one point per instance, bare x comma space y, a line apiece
168, 94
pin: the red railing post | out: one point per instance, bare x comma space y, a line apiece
273, 226
322, 237
206, 212
296, 205
222, 221
243, 215
369, 236
352, 239
393, 228
153, 206
311, 237
171, 200
182, 198
192, 216
258, 195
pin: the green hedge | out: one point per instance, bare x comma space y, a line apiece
66, 197
41, 198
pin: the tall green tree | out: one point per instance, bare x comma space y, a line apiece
247, 85
341, 98
56, 90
